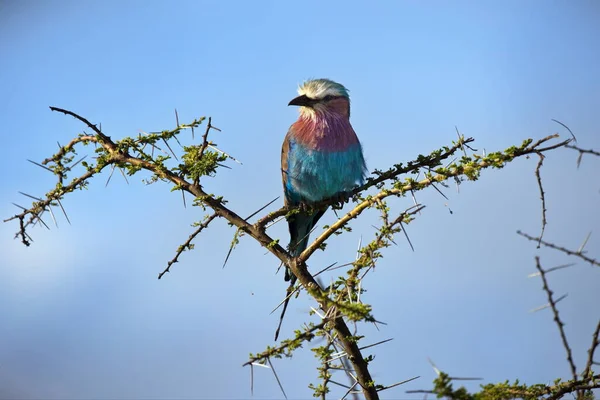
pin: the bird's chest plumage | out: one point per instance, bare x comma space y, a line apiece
322, 160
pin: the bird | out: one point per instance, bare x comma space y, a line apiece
321, 158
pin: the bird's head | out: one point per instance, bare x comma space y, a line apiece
322, 96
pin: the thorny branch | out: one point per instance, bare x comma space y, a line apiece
119, 153
542, 194
423, 161
187, 245
336, 304
582, 152
592, 350
288, 345
557, 319
578, 253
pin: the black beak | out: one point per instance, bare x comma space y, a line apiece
302, 101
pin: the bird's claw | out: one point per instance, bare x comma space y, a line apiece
304, 207
340, 199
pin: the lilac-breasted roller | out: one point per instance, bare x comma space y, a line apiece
321, 156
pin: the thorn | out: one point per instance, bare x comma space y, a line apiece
277, 378
439, 191
398, 384
580, 250
375, 344
251, 371
42, 221
457, 378
551, 269
548, 305
328, 267
437, 371
40, 165
256, 364
358, 249
412, 193
52, 215
262, 208
317, 312
63, 210
338, 355
170, 149
339, 384
233, 243
30, 196
110, 175
285, 299
274, 222
21, 207
352, 388
76, 162
225, 154
567, 128
123, 173
28, 237
459, 139
406, 235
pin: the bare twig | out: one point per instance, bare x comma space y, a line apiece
582, 152
557, 319
542, 195
592, 261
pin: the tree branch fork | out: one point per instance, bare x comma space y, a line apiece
131, 154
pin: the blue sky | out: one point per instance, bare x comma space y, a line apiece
82, 313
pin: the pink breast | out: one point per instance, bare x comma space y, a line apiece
325, 132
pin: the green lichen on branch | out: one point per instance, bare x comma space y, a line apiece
443, 388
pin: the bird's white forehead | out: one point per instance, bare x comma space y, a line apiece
319, 88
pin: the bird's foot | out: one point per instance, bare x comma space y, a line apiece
304, 208
340, 199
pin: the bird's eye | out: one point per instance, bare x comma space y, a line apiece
328, 97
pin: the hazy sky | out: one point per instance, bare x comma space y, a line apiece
82, 314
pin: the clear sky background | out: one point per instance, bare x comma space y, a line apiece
82, 314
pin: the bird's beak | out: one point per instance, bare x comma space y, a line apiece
302, 101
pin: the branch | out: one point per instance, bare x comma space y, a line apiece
558, 391
470, 169
187, 245
119, 153
582, 152
431, 161
579, 254
591, 351
200, 160
542, 195
557, 319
